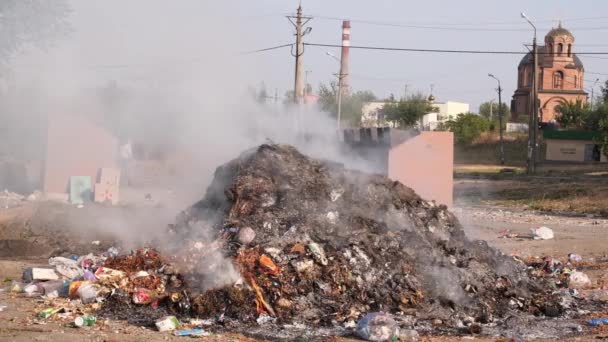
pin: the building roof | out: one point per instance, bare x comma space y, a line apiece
572, 135
559, 31
527, 59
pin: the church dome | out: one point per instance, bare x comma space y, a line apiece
558, 32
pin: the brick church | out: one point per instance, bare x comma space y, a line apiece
561, 77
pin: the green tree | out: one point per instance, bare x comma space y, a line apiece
467, 127
352, 104
408, 111
605, 91
487, 108
574, 114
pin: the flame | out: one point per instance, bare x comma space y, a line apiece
260, 302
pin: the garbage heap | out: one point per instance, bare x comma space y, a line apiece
317, 244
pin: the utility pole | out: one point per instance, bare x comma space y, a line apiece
535, 107
300, 22
502, 148
533, 121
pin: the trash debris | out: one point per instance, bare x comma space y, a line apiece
46, 313
377, 326
167, 323
268, 265
88, 292
408, 335
3, 307
192, 332
66, 267
37, 273
17, 286
270, 253
317, 253
542, 233
596, 322
246, 235
574, 257
85, 321
96, 242
578, 280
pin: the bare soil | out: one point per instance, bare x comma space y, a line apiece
481, 220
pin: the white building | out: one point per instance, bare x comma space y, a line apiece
445, 111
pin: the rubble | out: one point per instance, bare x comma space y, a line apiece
376, 247
281, 241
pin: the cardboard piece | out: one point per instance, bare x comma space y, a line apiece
80, 189
106, 193
39, 273
109, 176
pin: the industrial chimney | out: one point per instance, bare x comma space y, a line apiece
345, 57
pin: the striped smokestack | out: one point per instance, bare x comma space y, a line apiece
345, 57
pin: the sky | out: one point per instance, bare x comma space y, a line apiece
158, 41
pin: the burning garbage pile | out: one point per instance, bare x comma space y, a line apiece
316, 244
294, 241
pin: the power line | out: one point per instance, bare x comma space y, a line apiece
445, 50
457, 26
266, 49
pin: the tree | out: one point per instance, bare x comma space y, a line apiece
467, 127
487, 108
352, 104
574, 114
35, 22
604, 89
407, 112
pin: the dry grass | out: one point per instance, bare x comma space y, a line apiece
579, 198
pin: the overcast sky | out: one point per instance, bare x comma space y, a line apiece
130, 41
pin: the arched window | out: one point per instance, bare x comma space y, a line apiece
569, 50
560, 48
575, 82
558, 80
550, 50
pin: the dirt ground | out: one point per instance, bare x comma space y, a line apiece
582, 235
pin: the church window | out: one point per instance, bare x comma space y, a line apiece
560, 48
551, 48
569, 50
558, 80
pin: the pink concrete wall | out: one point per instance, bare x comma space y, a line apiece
425, 163
76, 146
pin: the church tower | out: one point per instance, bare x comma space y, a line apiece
561, 77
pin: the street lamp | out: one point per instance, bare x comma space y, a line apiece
502, 149
339, 88
533, 122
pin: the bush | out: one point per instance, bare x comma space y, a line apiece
467, 127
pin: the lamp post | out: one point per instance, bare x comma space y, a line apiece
533, 122
502, 149
339, 89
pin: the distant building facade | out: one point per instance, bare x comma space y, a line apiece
573, 146
560, 77
372, 116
